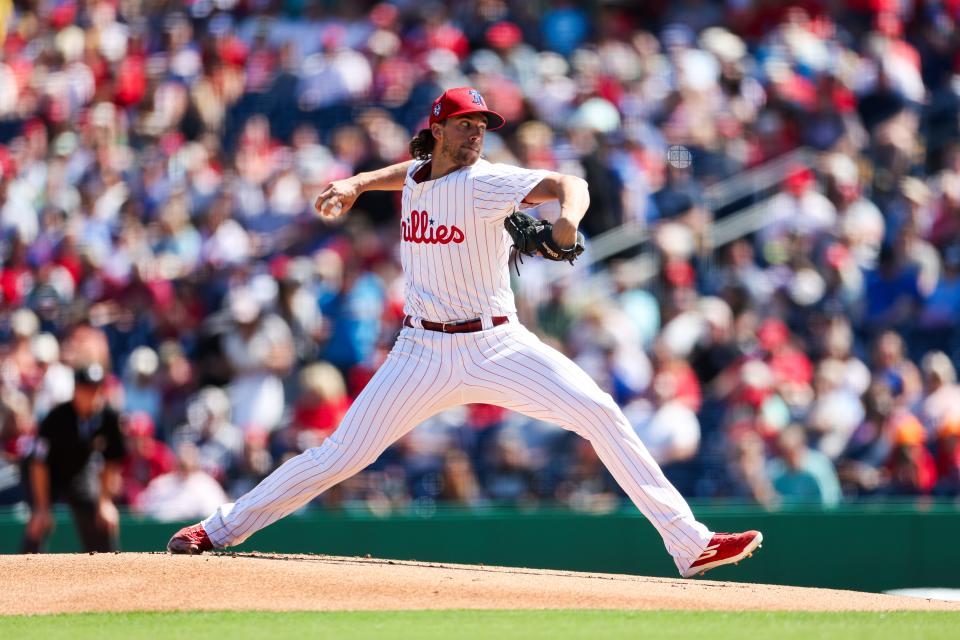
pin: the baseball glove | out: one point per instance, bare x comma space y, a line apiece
532, 237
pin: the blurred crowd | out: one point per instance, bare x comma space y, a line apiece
158, 163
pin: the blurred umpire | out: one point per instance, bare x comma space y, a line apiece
76, 459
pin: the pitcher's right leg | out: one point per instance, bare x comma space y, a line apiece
512, 368
416, 382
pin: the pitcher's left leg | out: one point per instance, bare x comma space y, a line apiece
517, 371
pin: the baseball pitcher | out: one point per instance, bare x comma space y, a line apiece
461, 341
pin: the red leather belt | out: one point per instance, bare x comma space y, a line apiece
460, 326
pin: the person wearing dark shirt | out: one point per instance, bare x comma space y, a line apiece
76, 459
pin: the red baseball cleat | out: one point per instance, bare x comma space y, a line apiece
190, 540
725, 548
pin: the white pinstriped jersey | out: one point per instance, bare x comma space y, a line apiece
454, 252
454, 249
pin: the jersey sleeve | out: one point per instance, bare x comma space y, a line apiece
40, 448
115, 448
499, 189
415, 166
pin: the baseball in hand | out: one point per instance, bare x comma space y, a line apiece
331, 207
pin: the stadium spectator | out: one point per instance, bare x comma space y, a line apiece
353, 301
16, 427
584, 484
20, 359
935, 326
668, 425
947, 455
746, 473
891, 292
147, 458
208, 427
508, 474
941, 400
837, 345
141, 390
255, 463
861, 465
911, 468
860, 222
801, 475
297, 306
835, 412
458, 481
800, 210
259, 349
55, 385
891, 364
181, 494
321, 405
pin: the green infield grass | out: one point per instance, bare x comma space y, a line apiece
499, 625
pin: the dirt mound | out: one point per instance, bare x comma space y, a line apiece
160, 582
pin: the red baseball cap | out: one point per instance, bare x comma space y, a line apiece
462, 100
140, 424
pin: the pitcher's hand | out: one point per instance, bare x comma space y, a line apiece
337, 198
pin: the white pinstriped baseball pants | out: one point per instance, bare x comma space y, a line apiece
427, 372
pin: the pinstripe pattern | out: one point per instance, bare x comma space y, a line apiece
455, 281
510, 367
394, 401
507, 366
427, 372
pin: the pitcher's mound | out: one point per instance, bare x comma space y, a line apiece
161, 582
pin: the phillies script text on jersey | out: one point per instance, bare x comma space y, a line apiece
421, 230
